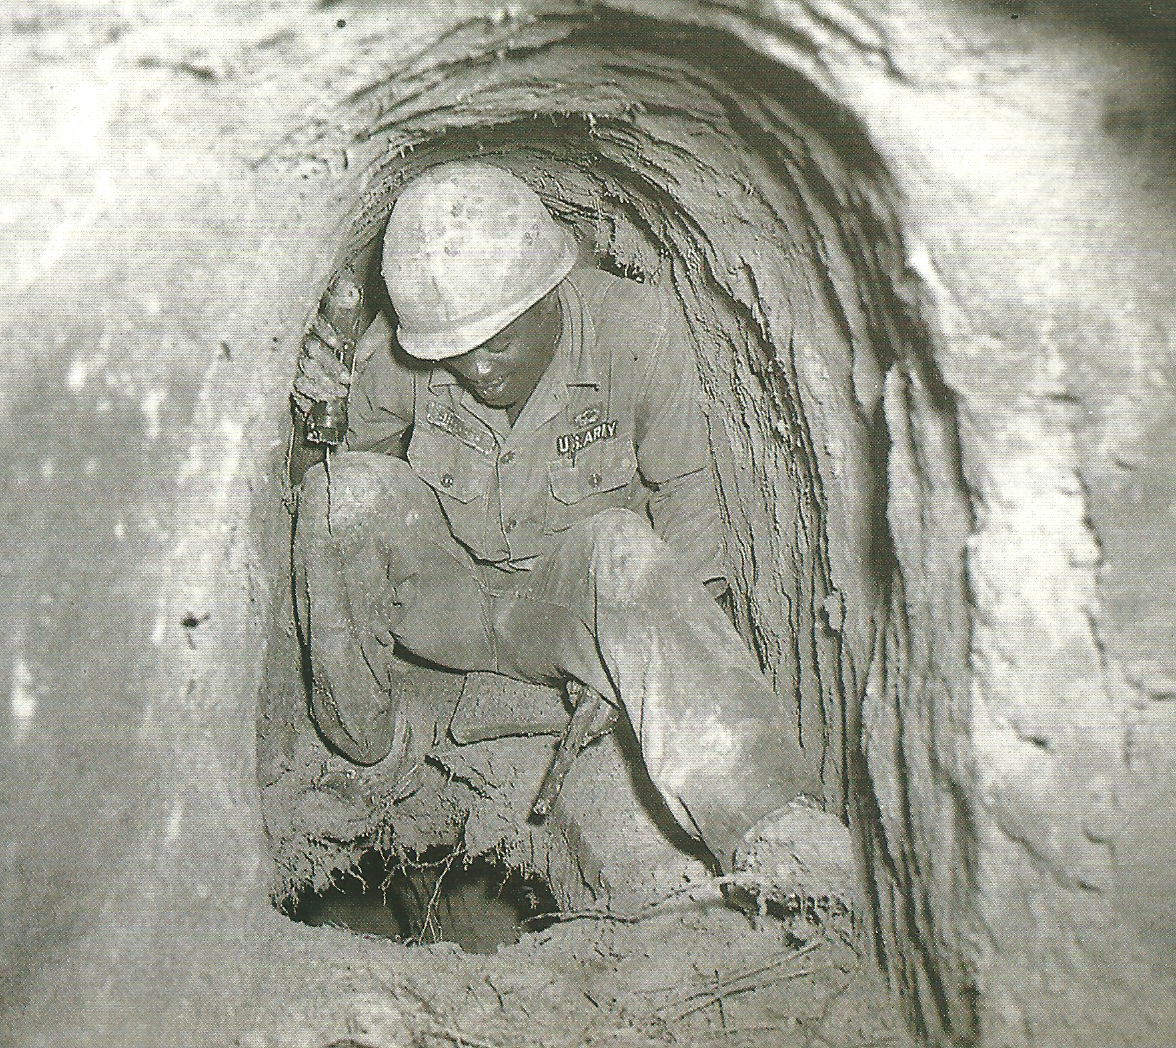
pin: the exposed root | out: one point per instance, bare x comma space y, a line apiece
429, 924
745, 982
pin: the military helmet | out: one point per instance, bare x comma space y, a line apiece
469, 248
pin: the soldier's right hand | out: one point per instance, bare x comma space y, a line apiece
321, 374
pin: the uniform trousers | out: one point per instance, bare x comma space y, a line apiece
606, 604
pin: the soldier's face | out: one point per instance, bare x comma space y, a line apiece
504, 370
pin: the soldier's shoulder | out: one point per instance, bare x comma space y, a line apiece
380, 367
613, 300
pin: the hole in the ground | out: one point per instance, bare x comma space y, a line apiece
433, 897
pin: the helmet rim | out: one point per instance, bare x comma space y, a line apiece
456, 340
469, 247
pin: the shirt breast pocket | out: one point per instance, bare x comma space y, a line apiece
600, 477
448, 466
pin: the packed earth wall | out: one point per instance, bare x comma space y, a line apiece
935, 325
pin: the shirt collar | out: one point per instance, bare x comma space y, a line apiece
440, 377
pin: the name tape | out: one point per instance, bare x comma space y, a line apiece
448, 421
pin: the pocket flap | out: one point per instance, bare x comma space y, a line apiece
603, 467
448, 468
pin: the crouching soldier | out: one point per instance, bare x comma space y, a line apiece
555, 518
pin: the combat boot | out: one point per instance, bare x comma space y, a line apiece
798, 862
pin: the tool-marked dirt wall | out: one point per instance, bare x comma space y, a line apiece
1015, 797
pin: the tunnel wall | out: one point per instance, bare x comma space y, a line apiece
154, 287
1025, 210
1033, 608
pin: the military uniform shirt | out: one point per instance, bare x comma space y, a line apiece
615, 421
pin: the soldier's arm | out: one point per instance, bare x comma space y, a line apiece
380, 406
673, 451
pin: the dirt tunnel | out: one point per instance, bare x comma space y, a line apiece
924, 449
792, 307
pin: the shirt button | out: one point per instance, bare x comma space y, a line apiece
510, 525
594, 480
507, 457
446, 480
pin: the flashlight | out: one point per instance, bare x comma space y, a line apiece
342, 307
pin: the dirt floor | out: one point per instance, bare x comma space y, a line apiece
691, 971
597, 926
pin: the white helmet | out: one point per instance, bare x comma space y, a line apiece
469, 248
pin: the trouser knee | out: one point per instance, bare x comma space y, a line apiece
357, 487
627, 555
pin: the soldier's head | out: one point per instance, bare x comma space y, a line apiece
472, 259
